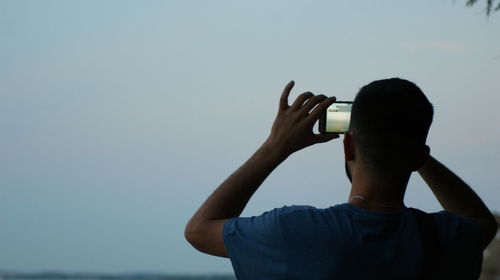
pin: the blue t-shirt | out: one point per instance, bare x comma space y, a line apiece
347, 242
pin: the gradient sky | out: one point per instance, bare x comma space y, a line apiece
118, 118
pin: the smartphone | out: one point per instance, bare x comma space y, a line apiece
336, 118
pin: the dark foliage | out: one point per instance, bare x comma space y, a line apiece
491, 5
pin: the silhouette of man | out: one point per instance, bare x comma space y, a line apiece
372, 236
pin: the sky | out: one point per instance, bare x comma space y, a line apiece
119, 118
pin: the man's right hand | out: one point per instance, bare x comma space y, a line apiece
293, 127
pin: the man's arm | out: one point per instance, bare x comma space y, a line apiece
457, 197
291, 131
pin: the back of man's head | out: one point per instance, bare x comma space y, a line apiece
390, 120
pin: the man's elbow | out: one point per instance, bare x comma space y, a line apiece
206, 236
192, 235
491, 228
494, 226
195, 235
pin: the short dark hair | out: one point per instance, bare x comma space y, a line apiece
390, 120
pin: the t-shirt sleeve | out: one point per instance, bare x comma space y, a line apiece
462, 237
255, 245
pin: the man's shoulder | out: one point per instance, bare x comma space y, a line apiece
293, 214
305, 210
450, 223
450, 219
457, 231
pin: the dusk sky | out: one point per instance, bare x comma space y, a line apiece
119, 118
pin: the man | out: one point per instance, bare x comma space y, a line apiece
372, 236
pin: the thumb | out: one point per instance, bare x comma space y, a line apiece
322, 138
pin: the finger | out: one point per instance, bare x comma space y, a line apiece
322, 138
313, 101
284, 96
297, 104
320, 109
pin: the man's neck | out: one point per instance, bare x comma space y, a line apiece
362, 202
378, 194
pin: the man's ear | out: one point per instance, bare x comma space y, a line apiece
421, 157
349, 147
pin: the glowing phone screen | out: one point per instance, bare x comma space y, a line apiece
338, 116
